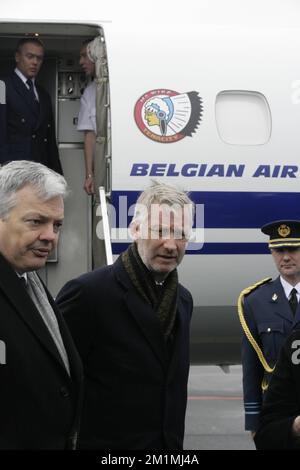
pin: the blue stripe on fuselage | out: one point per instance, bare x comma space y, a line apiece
228, 210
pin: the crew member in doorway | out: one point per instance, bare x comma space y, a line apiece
87, 118
27, 130
95, 171
130, 322
268, 311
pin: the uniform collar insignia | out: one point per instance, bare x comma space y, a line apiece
274, 297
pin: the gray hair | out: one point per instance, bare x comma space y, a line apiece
17, 174
161, 193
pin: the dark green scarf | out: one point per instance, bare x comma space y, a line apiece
163, 299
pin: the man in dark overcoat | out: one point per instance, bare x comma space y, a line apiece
280, 416
40, 370
130, 322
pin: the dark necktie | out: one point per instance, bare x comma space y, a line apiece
32, 94
293, 301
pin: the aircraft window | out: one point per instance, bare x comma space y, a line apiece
243, 117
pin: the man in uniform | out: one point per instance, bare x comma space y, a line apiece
95, 167
268, 311
27, 126
87, 118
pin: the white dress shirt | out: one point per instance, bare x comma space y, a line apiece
24, 80
87, 112
288, 288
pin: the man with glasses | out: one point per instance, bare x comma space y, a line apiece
130, 322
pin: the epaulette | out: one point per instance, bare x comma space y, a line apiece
247, 332
253, 287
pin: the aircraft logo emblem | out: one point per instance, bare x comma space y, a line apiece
167, 116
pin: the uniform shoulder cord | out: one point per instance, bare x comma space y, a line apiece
247, 332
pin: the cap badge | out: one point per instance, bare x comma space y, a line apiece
274, 297
284, 230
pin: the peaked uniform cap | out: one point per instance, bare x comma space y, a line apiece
283, 233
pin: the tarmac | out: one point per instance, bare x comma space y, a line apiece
215, 414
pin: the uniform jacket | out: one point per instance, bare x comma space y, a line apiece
135, 389
282, 401
27, 134
39, 401
270, 320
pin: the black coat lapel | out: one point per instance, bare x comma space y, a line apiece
280, 303
25, 308
143, 314
181, 329
43, 102
73, 356
148, 323
21, 89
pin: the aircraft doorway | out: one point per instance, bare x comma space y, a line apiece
62, 77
